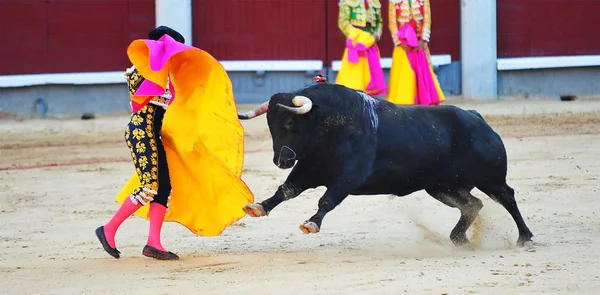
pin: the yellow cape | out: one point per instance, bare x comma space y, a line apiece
203, 140
356, 75
402, 88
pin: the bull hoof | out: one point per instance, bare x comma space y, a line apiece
459, 240
254, 210
309, 227
528, 245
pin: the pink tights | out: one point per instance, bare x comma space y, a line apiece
157, 217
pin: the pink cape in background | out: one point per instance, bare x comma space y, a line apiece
426, 91
376, 85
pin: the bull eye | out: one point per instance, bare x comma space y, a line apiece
289, 124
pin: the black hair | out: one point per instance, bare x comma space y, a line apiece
158, 32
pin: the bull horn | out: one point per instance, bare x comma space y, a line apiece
303, 103
261, 109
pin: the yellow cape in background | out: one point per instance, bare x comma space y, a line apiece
356, 75
203, 140
402, 88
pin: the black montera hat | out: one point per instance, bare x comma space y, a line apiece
158, 32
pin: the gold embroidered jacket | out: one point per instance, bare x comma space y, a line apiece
406, 11
353, 13
135, 80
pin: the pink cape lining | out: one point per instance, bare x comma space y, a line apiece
160, 52
377, 84
426, 91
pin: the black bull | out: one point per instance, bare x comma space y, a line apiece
353, 144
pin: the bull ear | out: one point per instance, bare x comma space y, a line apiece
313, 112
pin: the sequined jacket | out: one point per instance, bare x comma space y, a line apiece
135, 80
353, 13
415, 12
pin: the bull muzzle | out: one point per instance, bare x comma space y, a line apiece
286, 158
303, 105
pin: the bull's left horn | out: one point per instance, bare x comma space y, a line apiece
303, 103
261, 109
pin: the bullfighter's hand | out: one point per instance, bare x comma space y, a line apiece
422, 44
406, 48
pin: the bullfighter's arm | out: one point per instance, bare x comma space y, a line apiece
344, 20
379, 28
426, 21
134, 79
392, 23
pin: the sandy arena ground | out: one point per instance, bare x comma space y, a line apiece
58, 179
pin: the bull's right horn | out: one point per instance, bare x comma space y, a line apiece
303, 103
261, 109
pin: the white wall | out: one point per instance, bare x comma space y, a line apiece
478, 49
176, 14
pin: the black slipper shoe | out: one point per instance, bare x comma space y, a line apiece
152, 252
110, 250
